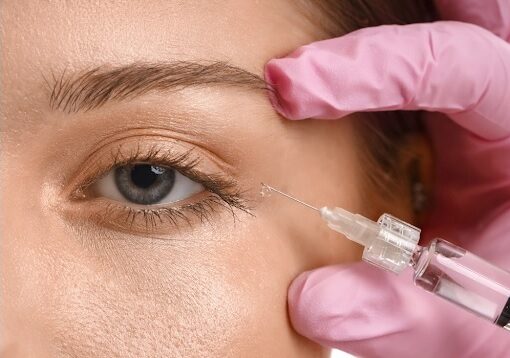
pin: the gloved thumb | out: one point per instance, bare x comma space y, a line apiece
365, 311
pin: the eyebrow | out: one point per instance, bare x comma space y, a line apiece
95, 87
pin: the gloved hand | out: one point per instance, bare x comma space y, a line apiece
450, 67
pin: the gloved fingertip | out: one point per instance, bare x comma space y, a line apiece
296, 289
278, 82
318, 303
301, 309
337, 304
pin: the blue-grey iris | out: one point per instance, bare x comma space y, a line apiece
144, 184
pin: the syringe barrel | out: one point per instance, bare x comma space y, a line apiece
465, 279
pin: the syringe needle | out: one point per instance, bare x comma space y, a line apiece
266, 188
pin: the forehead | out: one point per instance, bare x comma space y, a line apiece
81, 33
48, 37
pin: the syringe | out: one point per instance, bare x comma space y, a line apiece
441, 268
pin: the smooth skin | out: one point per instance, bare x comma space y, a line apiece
75, 284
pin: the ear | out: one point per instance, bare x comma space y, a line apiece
416, 163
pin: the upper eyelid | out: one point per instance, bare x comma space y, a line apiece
163, 134
117, 150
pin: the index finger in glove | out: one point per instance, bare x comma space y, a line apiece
450, 67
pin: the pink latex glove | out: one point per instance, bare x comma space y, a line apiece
455, 68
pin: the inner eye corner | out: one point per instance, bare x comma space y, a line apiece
78, 192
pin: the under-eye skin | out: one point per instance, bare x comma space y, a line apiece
150, 189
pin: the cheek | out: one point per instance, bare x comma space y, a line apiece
169, 300
218, 292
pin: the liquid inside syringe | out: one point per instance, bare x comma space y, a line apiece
441, 268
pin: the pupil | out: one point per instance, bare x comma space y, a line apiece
145, 175
144, 183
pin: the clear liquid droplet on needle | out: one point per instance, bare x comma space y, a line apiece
266, 191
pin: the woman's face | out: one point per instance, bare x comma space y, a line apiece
91, 266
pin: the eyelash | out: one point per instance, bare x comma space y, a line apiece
223, 191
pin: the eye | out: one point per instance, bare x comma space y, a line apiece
146, 184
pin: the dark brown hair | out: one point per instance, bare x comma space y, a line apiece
381, 133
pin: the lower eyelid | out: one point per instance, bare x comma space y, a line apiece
150, 220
